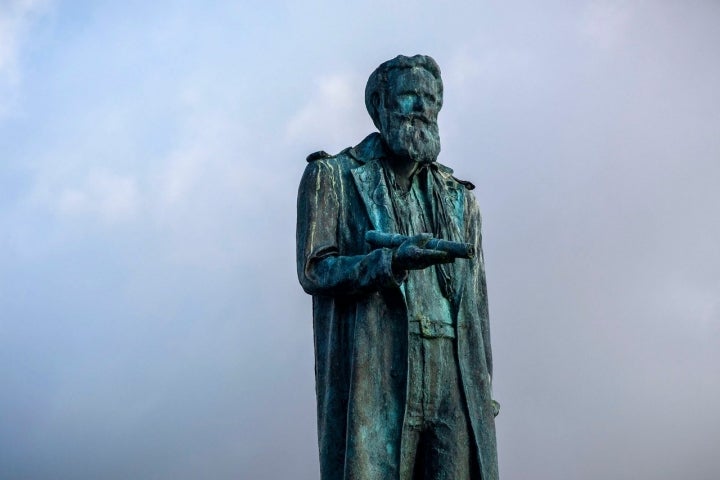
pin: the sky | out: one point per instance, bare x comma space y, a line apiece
151, 322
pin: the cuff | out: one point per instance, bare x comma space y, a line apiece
390, 277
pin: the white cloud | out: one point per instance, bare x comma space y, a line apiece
15, 17
208, 160
179, 176
334, 115
209, 187
105, 195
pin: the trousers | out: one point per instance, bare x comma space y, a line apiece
436, 437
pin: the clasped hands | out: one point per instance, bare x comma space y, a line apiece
412, 254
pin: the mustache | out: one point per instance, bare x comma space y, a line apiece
414, 118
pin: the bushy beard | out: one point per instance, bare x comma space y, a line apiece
413, 137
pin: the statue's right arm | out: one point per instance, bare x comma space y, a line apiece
321, 267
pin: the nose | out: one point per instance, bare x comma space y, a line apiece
419, 105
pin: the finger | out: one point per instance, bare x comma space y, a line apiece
422, 257
420, 239
436, 256
414, 252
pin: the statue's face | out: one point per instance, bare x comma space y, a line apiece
408, 118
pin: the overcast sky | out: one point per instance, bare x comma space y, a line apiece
151, 323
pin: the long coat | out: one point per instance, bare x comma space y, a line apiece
360, 316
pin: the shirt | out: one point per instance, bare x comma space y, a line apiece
429, 312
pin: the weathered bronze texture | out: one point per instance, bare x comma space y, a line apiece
389, 246
394, 240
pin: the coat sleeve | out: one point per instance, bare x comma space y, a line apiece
321, 266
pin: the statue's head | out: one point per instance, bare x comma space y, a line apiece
404, 96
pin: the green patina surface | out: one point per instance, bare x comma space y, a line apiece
401, 330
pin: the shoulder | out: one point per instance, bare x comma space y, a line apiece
319, 155
349, 158
447, 173
365, 152
339, 160
322, 164
464, 186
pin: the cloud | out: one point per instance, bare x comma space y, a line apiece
100, 195
150, 306
15, 19
105, 195
334, 114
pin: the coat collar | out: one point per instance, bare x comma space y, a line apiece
371, 148
370, 181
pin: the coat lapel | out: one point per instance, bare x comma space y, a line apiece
370, 182
371, 185
453, 195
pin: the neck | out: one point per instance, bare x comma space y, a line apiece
403, 169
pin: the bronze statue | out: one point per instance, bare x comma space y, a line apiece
389, 246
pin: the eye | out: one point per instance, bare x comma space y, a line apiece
406, 101
429, 97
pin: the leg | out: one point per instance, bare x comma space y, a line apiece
414, 415
448, 452
447, 446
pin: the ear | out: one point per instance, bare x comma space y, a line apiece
375, 102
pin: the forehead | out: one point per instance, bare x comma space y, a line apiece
415, 79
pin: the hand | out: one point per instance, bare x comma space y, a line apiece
412, 254
496, 407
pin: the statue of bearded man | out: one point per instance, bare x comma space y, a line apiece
403, 365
